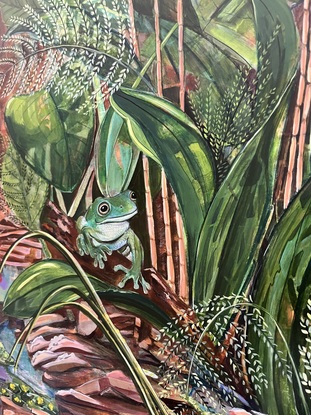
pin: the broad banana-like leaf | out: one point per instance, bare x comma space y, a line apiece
166, 134
283, 289
230, 24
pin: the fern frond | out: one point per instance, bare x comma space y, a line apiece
43, 28
45, 6
91, 38
227, 123
25, 192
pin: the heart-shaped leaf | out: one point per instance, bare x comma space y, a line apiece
51, 136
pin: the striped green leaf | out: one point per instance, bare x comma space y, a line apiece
116, 156
239, 215
167, 135
283, 289
39, 281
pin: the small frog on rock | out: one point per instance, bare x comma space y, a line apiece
105, 228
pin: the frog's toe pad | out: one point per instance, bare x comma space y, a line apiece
121, 268
98, 262
136, 279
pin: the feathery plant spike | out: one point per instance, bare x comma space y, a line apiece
228, 123
88, 38
209, 376
305, 351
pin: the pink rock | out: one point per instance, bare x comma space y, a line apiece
48, 319
85, 325
43, 356
75, 403
71, 379
77, 344
115, 384
48, 331
38, 343
64, 362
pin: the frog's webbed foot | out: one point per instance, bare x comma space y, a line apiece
137, 278
100, 256
98, 252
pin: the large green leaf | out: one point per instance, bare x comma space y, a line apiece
37, 282
116, 156
283, 288
167, 135
230, 24
52, 136
206, 58
24, 191
239, 215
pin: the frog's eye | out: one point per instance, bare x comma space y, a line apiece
103, 208
133, 196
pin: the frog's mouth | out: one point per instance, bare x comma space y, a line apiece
123, 218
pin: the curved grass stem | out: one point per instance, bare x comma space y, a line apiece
153, 403
29, 327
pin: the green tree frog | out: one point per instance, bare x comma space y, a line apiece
105, 228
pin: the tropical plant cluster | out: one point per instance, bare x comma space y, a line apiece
102, 96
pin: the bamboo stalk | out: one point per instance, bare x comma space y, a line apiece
158, 47
304, 96
150, 218
181, 55
148, 197
133, 28
170, 271
291, 162
183, 277
294, 176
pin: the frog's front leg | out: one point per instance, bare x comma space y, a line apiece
134, 273
88, 245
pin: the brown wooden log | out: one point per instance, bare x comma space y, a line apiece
63, 228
